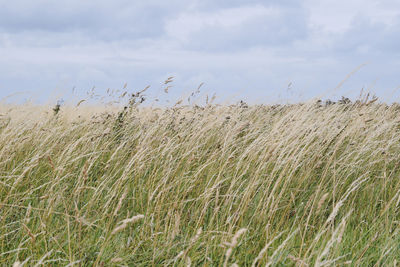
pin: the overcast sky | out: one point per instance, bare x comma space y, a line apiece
248, 50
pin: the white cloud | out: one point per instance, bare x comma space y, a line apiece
236, 28
187, 24
338, 16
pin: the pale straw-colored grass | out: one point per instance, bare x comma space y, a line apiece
296, 185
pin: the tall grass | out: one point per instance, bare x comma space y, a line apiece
295, 185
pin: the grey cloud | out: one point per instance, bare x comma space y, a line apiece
107, 20
369, 39
85, 21
248, 26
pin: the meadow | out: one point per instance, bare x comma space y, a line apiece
308, 184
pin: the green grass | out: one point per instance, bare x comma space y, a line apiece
294, 185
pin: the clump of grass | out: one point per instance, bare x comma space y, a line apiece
300, 185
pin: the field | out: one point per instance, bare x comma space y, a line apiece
308, 184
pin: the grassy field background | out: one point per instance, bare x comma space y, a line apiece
309, 184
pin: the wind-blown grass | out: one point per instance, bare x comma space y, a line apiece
296, 185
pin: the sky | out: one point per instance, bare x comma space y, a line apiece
258, 51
